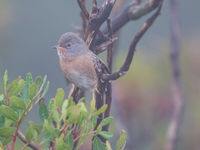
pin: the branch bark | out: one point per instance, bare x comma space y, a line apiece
81, 4
97, 18
177, 115
125, 67
109, 85
23, 139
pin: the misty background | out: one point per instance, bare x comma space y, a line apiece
142, 105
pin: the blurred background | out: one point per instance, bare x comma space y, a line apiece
142, 102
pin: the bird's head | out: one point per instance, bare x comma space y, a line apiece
70, 45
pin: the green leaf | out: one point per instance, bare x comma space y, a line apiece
17, 87
99, 128
1, 146
43, 111
32, 90
56, 117
83, 110
2, 120
105, 134
29, 78
47, 137
38, 81
7, 131
8, 113
2, 100
28, 82
36, 127
13, 84
101, 110
64, 109
5, 80
52, 105
17, 102
29, 133
73, 114
121, 142
1, 97
36, 136
59, 97
108, 146
92, 105
81, 100
46, 89
98, 144
33, 131
60, 145
7, 140
70, 141
8, 122
43, 83
106, 121
51, 130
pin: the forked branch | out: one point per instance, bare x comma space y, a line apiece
125, 67
133, 11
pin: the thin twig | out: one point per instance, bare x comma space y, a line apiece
94, 6
18, 124
103, 46
177, 115
8, 147
89, 133
25, 146
109, 53
125, 67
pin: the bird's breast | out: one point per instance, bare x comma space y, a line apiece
80, 71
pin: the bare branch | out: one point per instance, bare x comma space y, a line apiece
81, 4
97, 19
109, 85
23, 139
177, 115
94, 6
109, 53
132, 12
133, 45
102, 47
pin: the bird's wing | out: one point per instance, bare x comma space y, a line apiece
99, 65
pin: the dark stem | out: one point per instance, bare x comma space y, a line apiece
109, 85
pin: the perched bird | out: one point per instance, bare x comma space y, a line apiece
79, 65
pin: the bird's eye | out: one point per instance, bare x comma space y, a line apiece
69, 45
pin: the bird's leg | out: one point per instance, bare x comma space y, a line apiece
71, 89
95, 90
93, 95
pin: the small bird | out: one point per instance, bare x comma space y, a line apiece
79, 65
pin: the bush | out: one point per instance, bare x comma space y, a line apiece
65, 124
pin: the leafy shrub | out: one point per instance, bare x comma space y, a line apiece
65, 124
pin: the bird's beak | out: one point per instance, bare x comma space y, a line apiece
55, 47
